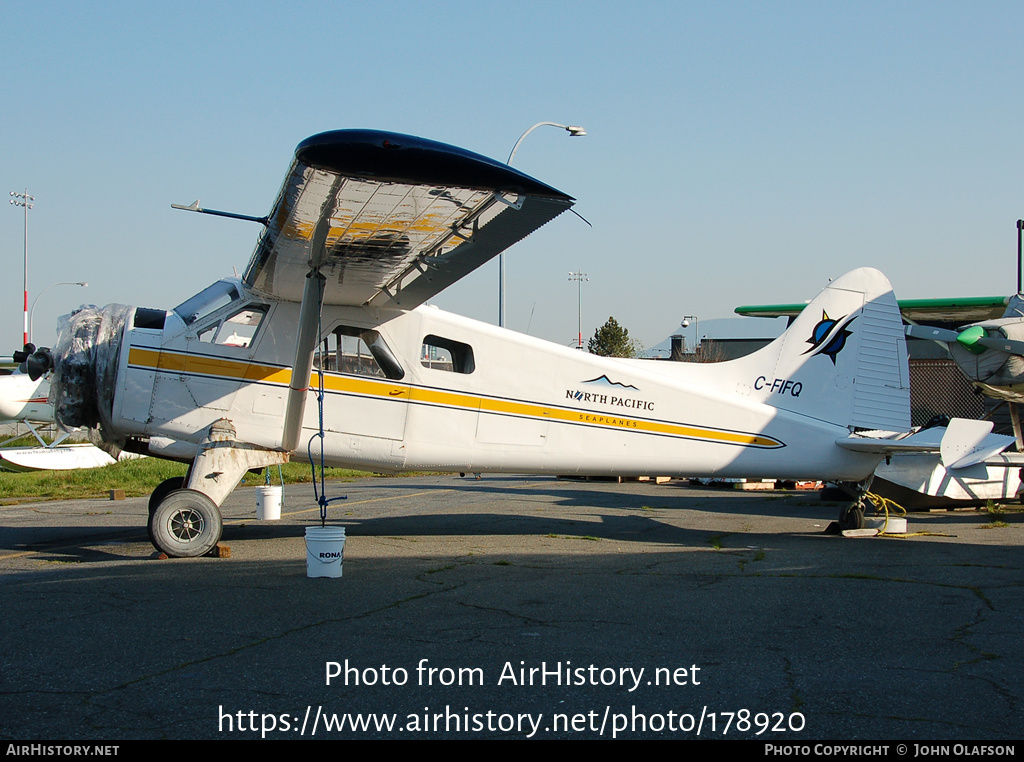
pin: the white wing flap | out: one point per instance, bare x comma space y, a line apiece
392, 220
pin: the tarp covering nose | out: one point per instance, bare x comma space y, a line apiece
85, 366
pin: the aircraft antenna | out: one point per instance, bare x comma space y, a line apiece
581, 216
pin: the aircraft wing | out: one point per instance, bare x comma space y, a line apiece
969, 309
391, 220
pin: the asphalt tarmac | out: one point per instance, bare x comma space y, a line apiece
514, 607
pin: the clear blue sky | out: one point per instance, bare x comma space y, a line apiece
737, 152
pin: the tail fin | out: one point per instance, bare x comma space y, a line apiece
843, 359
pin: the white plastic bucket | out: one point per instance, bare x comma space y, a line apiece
268, 503
325, 551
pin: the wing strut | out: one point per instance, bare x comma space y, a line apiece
194, 207
305, 346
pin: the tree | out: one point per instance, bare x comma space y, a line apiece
612, 340
706, 351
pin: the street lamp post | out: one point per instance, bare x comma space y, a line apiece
32, 312
575, 131
24, 200
579, 277
696, 329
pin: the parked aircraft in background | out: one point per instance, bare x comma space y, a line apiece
25, 401
990, 352
325, 348
23, 398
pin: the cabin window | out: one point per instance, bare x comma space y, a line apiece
357, 351
237, 330
444, 354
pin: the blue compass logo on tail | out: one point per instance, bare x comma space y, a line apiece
829, 336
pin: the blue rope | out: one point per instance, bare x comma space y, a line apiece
321, 494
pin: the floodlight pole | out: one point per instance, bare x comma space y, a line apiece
579, 277
575, 131
25, 201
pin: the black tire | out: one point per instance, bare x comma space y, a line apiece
163, 489
186, 524
851, 517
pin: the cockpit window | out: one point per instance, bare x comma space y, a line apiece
207, 301
236, 330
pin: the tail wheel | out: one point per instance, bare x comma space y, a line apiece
186, 524
852, 516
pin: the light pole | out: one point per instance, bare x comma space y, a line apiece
32, 312
24, 200
579, 277
575, 131
696, 329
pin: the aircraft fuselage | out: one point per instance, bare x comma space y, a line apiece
426, 389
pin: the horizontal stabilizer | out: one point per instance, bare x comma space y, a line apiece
961, 444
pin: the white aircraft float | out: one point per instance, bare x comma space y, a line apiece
26, 401
326, 345
991, 355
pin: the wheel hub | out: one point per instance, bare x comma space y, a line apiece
186, 525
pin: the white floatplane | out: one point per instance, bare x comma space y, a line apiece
366, 228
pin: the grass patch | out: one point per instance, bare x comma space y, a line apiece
996, 513
299, 472
136, 477
758, 556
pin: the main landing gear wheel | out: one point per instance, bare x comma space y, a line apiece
163, 489
186, 524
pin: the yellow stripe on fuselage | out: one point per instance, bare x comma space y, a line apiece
208, 366
246, 371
